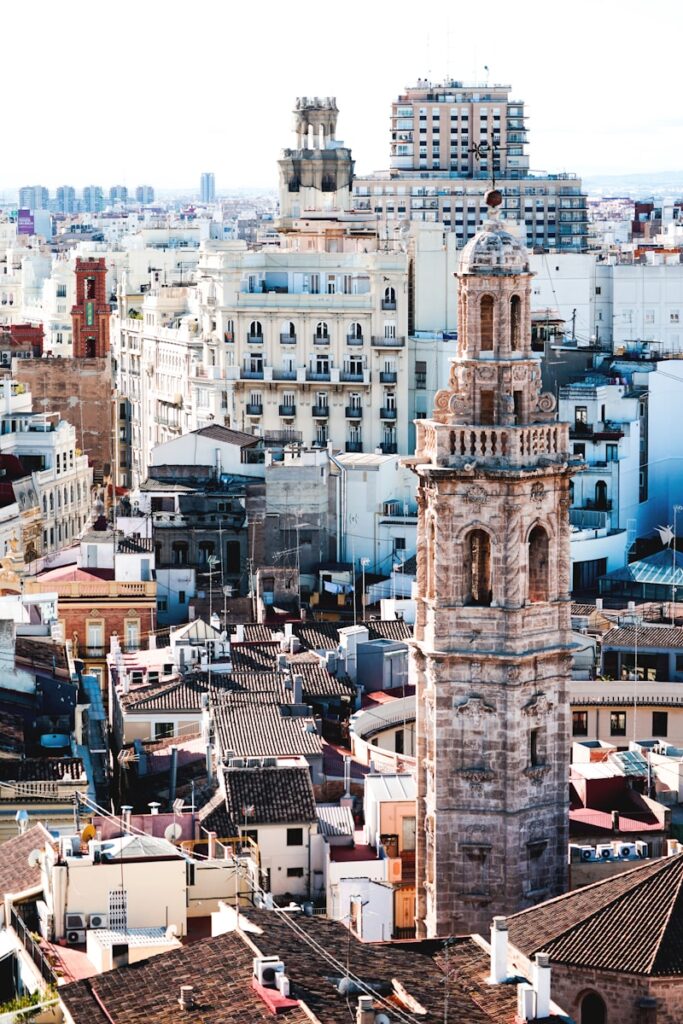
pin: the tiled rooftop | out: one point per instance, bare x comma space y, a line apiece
631, 923
278, 795
15, 873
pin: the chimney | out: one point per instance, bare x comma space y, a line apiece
365, 1012
499, 951
298, 697
525, 1003
540, 974
209, 764
598, 604
239, 632
615, 821
288, 630
125, 816
347, 775
211, 842
154, 807
186, 1001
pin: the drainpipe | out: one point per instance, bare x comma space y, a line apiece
309, 861
172, 775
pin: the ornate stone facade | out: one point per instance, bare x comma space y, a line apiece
493, 622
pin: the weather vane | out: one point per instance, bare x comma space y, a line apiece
481, 151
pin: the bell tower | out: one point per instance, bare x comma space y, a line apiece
492, 637
90, 314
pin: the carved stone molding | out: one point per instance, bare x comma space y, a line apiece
546, 402
475, 708
486, 372
536, 773
538, 493
476, 496
539, 706
476, 777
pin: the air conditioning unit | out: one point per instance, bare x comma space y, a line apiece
266, 969
627, 850
603, 851
642, 848
75, 936
73, 921
282, 985
70, 846
98, 921
586, 853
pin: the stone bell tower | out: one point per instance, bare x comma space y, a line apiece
492, 640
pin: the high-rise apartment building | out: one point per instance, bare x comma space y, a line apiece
34, 197
65, 199
144, 194
93, 199
493, 632
118, 194
207, 187
447, 142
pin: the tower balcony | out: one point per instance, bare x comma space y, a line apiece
498, 447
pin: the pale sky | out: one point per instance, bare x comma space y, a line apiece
156, 91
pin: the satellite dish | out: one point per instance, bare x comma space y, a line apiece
171, 931
382, 1018
173, 832
34, 858
88, 833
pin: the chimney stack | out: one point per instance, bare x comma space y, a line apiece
154, 807
298, 682
186, 1001
499, 951
540, 974
126, 810
365, 1012
211, 843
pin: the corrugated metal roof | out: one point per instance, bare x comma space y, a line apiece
391, 787
334, 820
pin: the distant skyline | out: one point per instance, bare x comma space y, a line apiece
158, 92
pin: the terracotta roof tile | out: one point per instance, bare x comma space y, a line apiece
15, 873
278, 795
632, 922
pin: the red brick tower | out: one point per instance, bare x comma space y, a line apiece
90, 315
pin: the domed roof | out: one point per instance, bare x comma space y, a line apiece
493, 249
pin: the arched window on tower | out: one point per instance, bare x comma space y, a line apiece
538, 564
478, 568
593, 1009
486, 323
515, 323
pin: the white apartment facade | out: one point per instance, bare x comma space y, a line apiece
61, 476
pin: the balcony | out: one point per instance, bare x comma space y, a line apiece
321, 341
388, 342
354, 446
388, 376
321, 412
254, 339
288, 339
95, 652
229, 337
353, 412
317, 375
254, 409
389, 448
353, 377
387, 414
387, 304
284, 374
287, 410
246, 373
132, 647
351, 339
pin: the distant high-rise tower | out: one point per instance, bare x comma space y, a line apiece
93, 199
118, 194
207, 187
492, 652
447, 139
90, 314
34, 197
144, 194
65, 201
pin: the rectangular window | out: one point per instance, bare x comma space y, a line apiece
295, 872
295, 837
163, 730
534, 753
420, 375
660, 723
579, 723
617, 723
